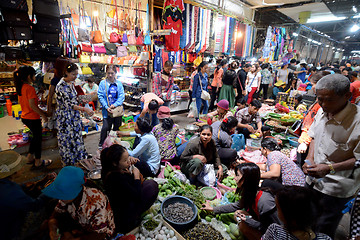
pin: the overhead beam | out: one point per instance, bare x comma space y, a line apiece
288, 5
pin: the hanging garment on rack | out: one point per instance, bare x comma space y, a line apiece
207, 31
172, 56
200, 31
189, 26
174, 9
172, 41
184, 33
231, 35
219, 28
196, 29
226, 35
165, 56
211, 47
158, 58
240, 40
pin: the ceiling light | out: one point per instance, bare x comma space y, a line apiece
325, 19
354, 9
347, 37
343, 50
354, 28
333, 48
295, 34
309, 39
327, 46
357, 16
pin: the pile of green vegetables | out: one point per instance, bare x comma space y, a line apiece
229, 182
229, 222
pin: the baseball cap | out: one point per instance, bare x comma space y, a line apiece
67, 185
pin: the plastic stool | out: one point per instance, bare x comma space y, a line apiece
127, 119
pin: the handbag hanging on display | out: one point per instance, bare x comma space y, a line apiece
131, 37
125, 39
116, 112
95, 36
99, 48
19, 5
86, 47
85, 58
122, 51
46, 7
110, 48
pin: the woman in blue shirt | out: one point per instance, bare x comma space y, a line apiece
111, 95
198, 87
147, 151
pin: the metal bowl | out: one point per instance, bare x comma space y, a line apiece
191, 129
180, 199
95, 174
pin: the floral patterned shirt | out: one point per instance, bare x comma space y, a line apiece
94, 213
166, 140
291, 174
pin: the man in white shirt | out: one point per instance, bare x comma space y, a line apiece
333, 151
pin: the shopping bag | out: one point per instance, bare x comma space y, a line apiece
238, 142
207, 175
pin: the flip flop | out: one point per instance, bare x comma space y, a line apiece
44, 163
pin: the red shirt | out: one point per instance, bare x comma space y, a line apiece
172, 41
175, 3
355, 90
27, 93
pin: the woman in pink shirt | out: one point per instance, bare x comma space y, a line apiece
217, 81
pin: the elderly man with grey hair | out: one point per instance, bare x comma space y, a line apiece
333, 151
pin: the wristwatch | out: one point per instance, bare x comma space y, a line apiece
332, 170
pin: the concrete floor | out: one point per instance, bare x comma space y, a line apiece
91, 143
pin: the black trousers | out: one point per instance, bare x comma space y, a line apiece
190, 96
265, 88
227, 155
331, 213
107, 124
35, 142
214, 96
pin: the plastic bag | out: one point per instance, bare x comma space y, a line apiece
238, 142
293, 154
218, 226
161, 174
158, 218
207, 175
193, 110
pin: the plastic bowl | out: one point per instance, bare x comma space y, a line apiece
209, 193
293, 141
179, 199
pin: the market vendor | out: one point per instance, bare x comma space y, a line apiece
279, 169
279, 86
299, 105
14, 202
163, 83
147, 151
150, 104
82, 212
260, 207
165, 133
222, 132
221, 112
199, 151
129, 197
246, 118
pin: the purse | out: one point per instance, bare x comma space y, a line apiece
18, 33
204, 94
86, 47
19, 5
122, 51
248, 88
131, 38
140, 39
114, 37
125, 39
116, 112
132, 48
52, 52
47, 24
244, 93
99, 48
49, 38
87, 70
110, 48
95, 59
84, 58
95, 35
84, 35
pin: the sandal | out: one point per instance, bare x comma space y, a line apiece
44, 163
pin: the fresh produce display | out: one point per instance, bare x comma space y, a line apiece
229, 182
202, 231
163, 234
208, 193
255, 135
178, 212
296, 115
232, 197
150, 225
281, 108
272, 123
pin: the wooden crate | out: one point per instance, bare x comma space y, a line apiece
177, 235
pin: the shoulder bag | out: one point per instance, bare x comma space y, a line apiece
204, 94
248, 88
116, 112
242, 89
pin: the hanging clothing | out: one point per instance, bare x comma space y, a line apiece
69, 124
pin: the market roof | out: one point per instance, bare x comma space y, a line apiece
341, 16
